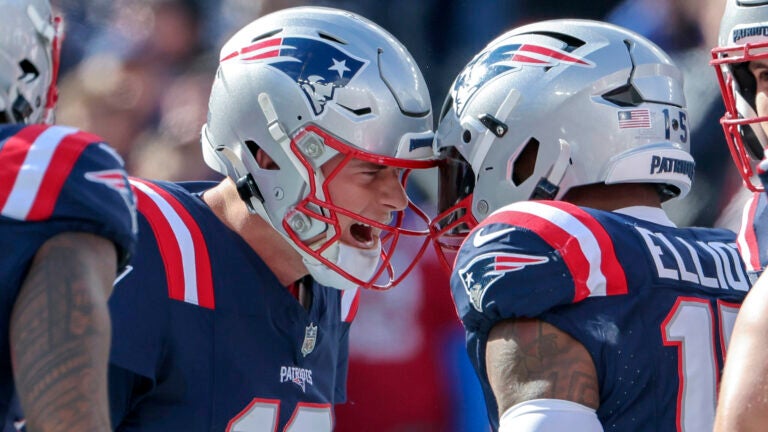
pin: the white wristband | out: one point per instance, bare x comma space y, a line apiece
549, 415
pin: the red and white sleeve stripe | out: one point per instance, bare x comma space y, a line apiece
36, 163
583, 243
181, 244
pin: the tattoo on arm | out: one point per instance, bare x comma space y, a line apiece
530, 359
60, 334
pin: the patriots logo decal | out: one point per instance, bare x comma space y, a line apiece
486, 269
317, 66
116, 180
506, 59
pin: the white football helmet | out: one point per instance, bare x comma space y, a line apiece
743, 38
305, 84
29, 60
589, 102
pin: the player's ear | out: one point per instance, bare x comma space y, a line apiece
264, 161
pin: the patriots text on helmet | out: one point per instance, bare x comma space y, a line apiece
661, 165
743, 33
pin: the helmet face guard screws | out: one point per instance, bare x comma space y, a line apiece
305, 85
555, 105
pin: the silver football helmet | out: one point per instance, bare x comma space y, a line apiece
29, 60
588, 102
304, 85
743, 38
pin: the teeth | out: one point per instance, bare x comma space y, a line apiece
366, 230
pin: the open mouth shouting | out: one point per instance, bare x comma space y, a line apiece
362, 235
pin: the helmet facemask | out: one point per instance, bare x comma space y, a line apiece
306, 85
454, 220
741, 124
370, 268
742, 40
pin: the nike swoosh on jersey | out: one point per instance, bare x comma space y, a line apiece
481, 238
124, 273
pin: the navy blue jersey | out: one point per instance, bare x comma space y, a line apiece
753, 233
653, 304
54, 179
205, 338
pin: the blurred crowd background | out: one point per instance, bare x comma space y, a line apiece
138, 73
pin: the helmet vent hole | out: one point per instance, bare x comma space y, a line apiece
624, 96
571, 43
466, 136
266, 35
326, 36
358, 112
29, 72
524, 164
261, 157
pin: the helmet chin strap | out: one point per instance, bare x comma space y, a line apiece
549, 185
359, 263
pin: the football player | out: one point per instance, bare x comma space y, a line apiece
236, 313
67, 225
741, 64
585, 307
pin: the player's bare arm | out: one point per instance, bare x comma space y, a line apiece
531, 359
60, 332
742, 403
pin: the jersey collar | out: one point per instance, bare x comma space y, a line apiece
651, 214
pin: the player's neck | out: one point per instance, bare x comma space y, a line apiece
614, 197
271, 247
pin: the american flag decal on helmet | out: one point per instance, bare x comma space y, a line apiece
316, 65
